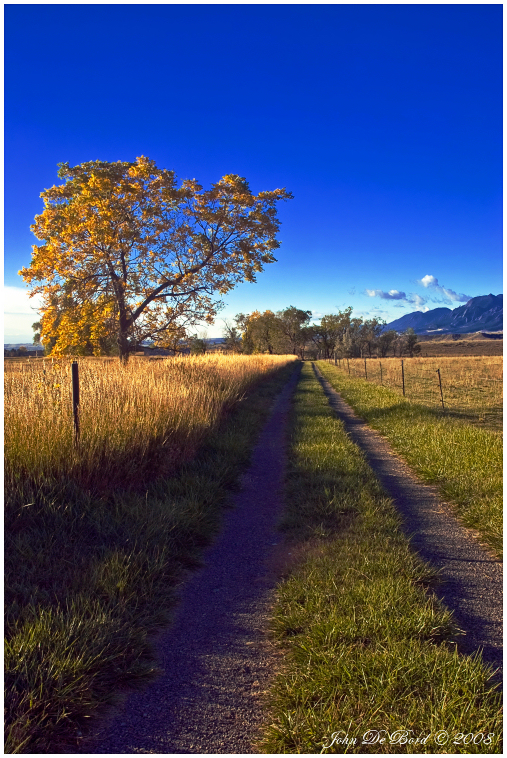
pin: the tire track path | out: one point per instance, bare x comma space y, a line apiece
472, 578
215, 658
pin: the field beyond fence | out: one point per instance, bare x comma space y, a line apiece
470, 388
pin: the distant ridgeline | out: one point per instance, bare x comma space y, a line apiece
20, 349
29, 350
480, 314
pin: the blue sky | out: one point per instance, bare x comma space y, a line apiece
384, 121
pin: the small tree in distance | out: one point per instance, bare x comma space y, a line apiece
123, 245
232, 338
198, 344
292, 322
385, 341
411, 343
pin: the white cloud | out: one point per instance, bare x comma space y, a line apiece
413, 299
391, 295
449, 295
428, 281
20, 312
418, 301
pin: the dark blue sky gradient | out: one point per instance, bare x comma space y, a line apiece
385, 121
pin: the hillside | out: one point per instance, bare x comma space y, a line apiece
483, 313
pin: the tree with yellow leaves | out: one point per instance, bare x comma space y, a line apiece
122, 244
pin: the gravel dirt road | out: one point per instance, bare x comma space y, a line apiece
471, 576
216, 659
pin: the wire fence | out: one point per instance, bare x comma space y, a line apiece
467, 387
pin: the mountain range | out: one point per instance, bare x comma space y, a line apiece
483, 313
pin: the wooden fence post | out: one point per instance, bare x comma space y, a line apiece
75, 400
441, 393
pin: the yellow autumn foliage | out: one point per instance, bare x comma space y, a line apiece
123, 244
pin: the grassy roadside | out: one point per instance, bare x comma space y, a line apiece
88, 578
463, 461
368, 647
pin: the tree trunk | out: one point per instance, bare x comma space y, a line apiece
123, 344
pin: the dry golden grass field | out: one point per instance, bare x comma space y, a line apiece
99, 533
464, 345
472, 386
147, 411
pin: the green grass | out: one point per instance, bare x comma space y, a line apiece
367, 644
88, 578
462, 460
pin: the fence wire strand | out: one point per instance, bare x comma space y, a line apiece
472, 388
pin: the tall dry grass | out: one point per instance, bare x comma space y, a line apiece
472, 387
95, 546
133, 419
